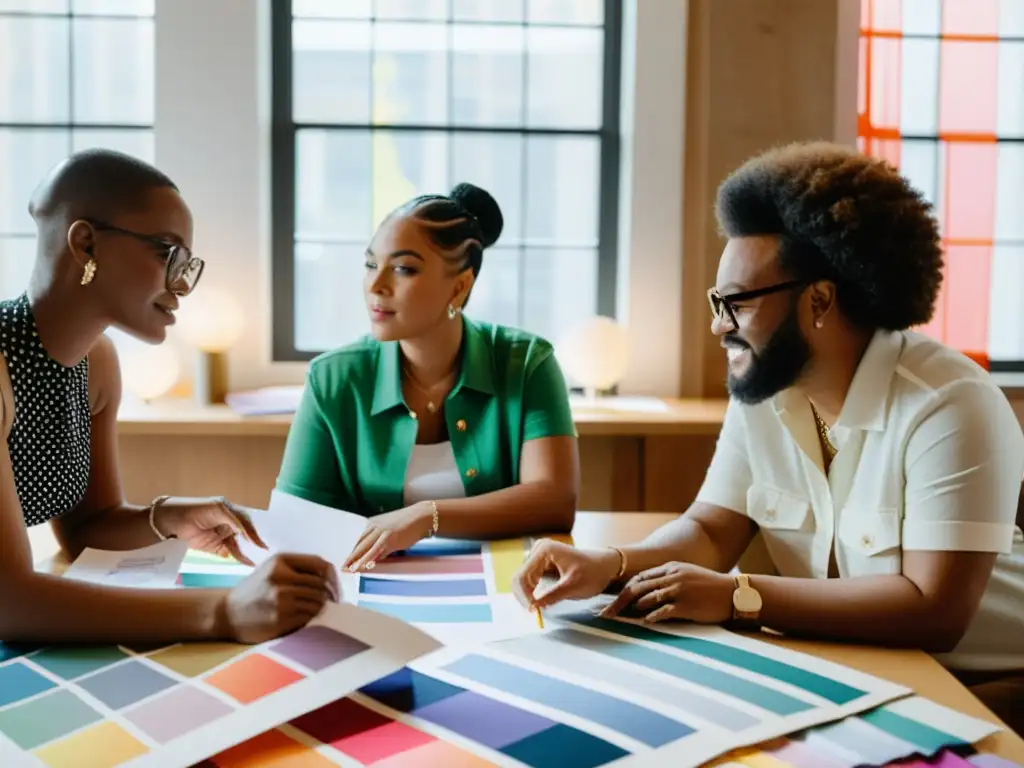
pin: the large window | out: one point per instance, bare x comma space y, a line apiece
73, 74
378, 100
942, 97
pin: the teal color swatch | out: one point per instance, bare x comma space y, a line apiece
924, 736
562, 745
826, 688
47, 718
18, 682
70, 662
210, 580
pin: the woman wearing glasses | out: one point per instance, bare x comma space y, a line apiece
113, 250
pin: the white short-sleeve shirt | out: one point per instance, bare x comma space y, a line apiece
930, 457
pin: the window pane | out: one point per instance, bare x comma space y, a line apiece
1006, 323
548, 307
919, 87
1010, 193
116, 7
1011, 18
562, 191
329, 306
332, 185
34, 6
34, 78
487, 76
487, 10
26, 156
137, 143
919, 162
564, 78
1010, 118
17, 254
331, 75
495, 296
494, 162
406, 164
324, 9
113, 71
411, 9
410, 73
566, 11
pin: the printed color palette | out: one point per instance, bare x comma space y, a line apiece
177, 705
408, 718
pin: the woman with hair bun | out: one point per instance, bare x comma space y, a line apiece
435, 424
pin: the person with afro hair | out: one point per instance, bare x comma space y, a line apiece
881, 468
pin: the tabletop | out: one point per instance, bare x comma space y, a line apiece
913, 669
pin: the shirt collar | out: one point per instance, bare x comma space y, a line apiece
867, 401
477, 369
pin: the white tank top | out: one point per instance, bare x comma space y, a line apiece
432, 474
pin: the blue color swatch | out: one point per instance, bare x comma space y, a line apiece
424, 588
632, 720
434, 613
18, 682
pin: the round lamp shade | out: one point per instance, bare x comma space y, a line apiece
211, 319
595, 353
149, 372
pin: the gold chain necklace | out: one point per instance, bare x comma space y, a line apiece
823, 433
431, 406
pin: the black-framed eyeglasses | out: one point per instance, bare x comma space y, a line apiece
723, 306
183, 270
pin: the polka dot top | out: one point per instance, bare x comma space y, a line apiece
50, 434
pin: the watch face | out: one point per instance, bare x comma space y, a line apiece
746, 600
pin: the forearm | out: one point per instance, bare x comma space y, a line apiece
45, 608
119, 528
537, 507
683, 540
876, 610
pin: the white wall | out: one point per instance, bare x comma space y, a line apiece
213, 138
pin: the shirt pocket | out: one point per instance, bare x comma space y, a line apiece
871, 541
787, 526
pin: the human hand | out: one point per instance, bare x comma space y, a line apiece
390, 532
209, 525
677, 591
280, 596
580, 572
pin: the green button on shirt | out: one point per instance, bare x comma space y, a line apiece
352, 437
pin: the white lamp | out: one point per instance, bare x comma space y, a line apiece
149, 372
212, 321
595, 354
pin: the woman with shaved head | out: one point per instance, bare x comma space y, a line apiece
114, 249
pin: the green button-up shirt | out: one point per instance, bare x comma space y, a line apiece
352, 437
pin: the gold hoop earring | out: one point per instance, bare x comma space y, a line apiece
89, 271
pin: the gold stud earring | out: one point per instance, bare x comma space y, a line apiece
89, 271
819, 323
452, 311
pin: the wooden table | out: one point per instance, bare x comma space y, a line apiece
913, 669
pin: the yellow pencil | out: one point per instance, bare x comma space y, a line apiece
540, 618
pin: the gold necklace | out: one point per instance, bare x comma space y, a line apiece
431, 406
823, 433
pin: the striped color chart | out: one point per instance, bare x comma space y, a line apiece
414, 720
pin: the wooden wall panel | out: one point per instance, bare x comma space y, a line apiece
674, 468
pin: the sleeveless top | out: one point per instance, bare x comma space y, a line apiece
49, 441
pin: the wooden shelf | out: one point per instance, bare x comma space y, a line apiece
627, 416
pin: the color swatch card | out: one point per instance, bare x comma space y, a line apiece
898, 731
458, 591
152, 567
175, 706
417, 718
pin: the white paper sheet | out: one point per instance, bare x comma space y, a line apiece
153, 567
291, 524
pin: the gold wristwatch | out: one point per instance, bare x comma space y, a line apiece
746, 603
